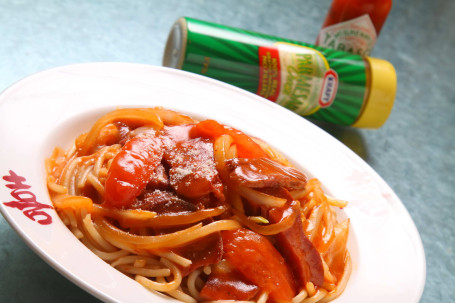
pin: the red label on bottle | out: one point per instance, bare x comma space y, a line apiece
269, 73
329, 88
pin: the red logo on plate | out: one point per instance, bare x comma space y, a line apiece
329, 88
25, 200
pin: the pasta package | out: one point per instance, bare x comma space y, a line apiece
199, 210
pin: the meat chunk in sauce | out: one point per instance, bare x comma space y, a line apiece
192, 170
226, 283
298, 250
159, 178
263, 172
163, 203
202, 252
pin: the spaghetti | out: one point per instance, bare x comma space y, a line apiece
199, 210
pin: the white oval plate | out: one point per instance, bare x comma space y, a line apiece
51, 108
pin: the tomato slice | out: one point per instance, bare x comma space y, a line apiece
258, 260
246, 147
131, 170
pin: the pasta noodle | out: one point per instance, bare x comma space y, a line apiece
185, 206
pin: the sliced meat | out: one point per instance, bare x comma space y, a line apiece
226, 283
301, 255
202, 252
205, 251
192, 170
263, 172
159, 178
163, 202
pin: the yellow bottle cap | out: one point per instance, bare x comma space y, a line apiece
380, 95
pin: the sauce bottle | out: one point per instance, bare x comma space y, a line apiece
353, 25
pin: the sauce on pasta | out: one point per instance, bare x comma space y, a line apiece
199, 210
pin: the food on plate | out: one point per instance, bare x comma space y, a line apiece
199, 210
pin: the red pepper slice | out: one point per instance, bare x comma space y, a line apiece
258, 260
211, 129
131, 170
